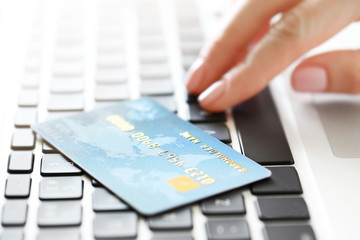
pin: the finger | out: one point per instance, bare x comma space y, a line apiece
248, 20
258, 37
242, 53
303, 27
337, 71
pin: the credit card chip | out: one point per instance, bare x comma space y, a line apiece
183, 183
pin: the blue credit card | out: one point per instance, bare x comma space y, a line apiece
148, 156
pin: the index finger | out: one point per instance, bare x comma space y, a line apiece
300, 29
247, 21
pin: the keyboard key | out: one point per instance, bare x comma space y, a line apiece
31, 80
175, 220
57, 165
296, 232
151, 42
56, 115
61, 188
25, 117
154, 71
168, 102
21, 162
227, 229
148, 16
34, 48
58, 234
70, 40
153, 55
149, 28
283, 180
68, 69
228, 203
67, 85
191, 47
111, 92
109, 20
23, 139
28, 98
191, 34
18, 186
32, 65
111, 24
198, 115
172, 237
68, 54
47, 149
69, 27
156, 87
115, 225
110, 37
69, 30
104, 201
59, 214
66, 102
110, 60
111, 75
261, 132
282, 209
12, 234
217, 130
14, 213
110, 45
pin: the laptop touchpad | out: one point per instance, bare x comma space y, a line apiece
340, 117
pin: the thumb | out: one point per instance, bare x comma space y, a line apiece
337, 71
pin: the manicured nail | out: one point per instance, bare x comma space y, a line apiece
212, 93
310, 79
195, 75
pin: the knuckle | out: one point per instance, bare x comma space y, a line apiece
294, 26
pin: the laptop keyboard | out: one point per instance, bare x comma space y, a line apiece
139, 48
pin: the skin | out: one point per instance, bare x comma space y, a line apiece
243, 58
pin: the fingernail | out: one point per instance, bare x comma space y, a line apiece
212, 93
195, 75
310, 79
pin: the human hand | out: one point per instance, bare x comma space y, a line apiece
248, 53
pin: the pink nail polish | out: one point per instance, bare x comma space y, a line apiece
310, 79
212, 93
195, 75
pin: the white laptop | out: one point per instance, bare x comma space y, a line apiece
62, 57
